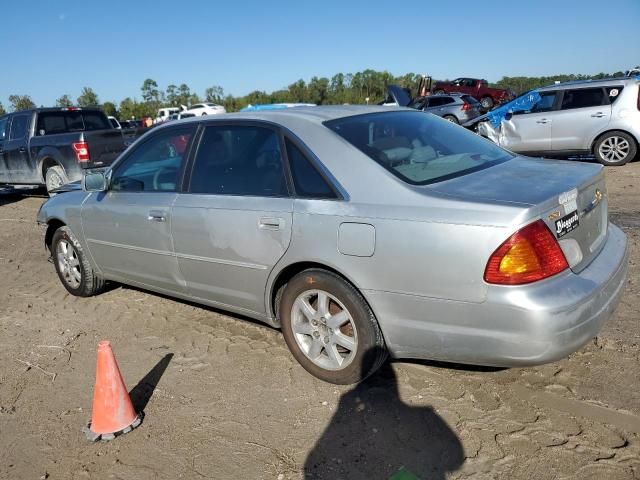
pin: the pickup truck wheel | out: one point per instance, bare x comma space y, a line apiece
72, 266
330, 329
615, 149
54, 177
451, 118
487, 103
439, 92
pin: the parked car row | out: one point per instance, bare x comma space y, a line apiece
199, 109
354, 229
599, 118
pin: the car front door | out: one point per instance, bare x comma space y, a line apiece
530, 130
128, 227
583, 113
233, 223
16, 150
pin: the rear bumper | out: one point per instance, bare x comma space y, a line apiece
516, 325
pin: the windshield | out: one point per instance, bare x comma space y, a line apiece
418, 148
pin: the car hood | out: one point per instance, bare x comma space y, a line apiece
521, 180
68, 187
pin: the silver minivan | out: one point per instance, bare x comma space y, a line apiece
594, 117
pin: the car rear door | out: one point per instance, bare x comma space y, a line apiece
531, 130
16, 150
233, 223
128, 227
4, 132
583, 113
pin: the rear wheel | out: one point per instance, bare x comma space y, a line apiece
439, 92
72, 266
330, 329
451, 118
487, 103
615, 148
55, 177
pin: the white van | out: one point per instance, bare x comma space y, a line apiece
164, 113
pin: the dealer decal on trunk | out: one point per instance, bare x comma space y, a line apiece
567, 223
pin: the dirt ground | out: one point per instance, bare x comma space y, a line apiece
224, 399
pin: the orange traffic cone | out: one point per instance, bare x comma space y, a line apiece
113, 413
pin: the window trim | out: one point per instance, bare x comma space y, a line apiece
197, 141
181, 173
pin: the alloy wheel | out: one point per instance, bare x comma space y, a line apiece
614, 149
324, 329
69, 264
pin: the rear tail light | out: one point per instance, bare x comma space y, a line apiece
529, 255
466, 106
82, 151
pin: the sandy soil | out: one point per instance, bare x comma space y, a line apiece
224, 399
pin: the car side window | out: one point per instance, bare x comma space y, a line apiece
307, 181
239, 160
435, 102
19, 125
155, 165
582, 98
545, 104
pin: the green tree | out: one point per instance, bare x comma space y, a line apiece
21, 102
172, 96
150, 92
88, 98
64, 101
214, 94
110, 109
2, 110
184, 94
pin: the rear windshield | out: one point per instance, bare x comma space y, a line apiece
418, 148
51, 123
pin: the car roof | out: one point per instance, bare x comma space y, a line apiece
289, 116
589, 83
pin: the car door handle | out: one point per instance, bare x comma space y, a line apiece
270, 223
157, 216
543, 121
598, 115
22, 149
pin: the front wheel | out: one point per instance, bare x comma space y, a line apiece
72, 266
615, 149
330, 329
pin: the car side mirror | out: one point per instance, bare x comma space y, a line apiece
94, 182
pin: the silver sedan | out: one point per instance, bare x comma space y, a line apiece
359, 231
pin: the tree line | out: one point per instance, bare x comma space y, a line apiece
368, 86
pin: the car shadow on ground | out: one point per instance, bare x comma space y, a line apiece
376, 435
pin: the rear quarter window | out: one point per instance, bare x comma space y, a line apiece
418, 149
614, 93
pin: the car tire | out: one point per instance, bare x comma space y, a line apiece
451, 119
615, 148
339, 353
73, 268
439, 92
487, 103
54, 177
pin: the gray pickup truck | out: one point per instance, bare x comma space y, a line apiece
52, 146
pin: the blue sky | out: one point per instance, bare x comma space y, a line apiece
56, 47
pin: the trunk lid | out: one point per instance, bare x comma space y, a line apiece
570, 197
104, 147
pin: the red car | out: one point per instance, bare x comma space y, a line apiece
478, 89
